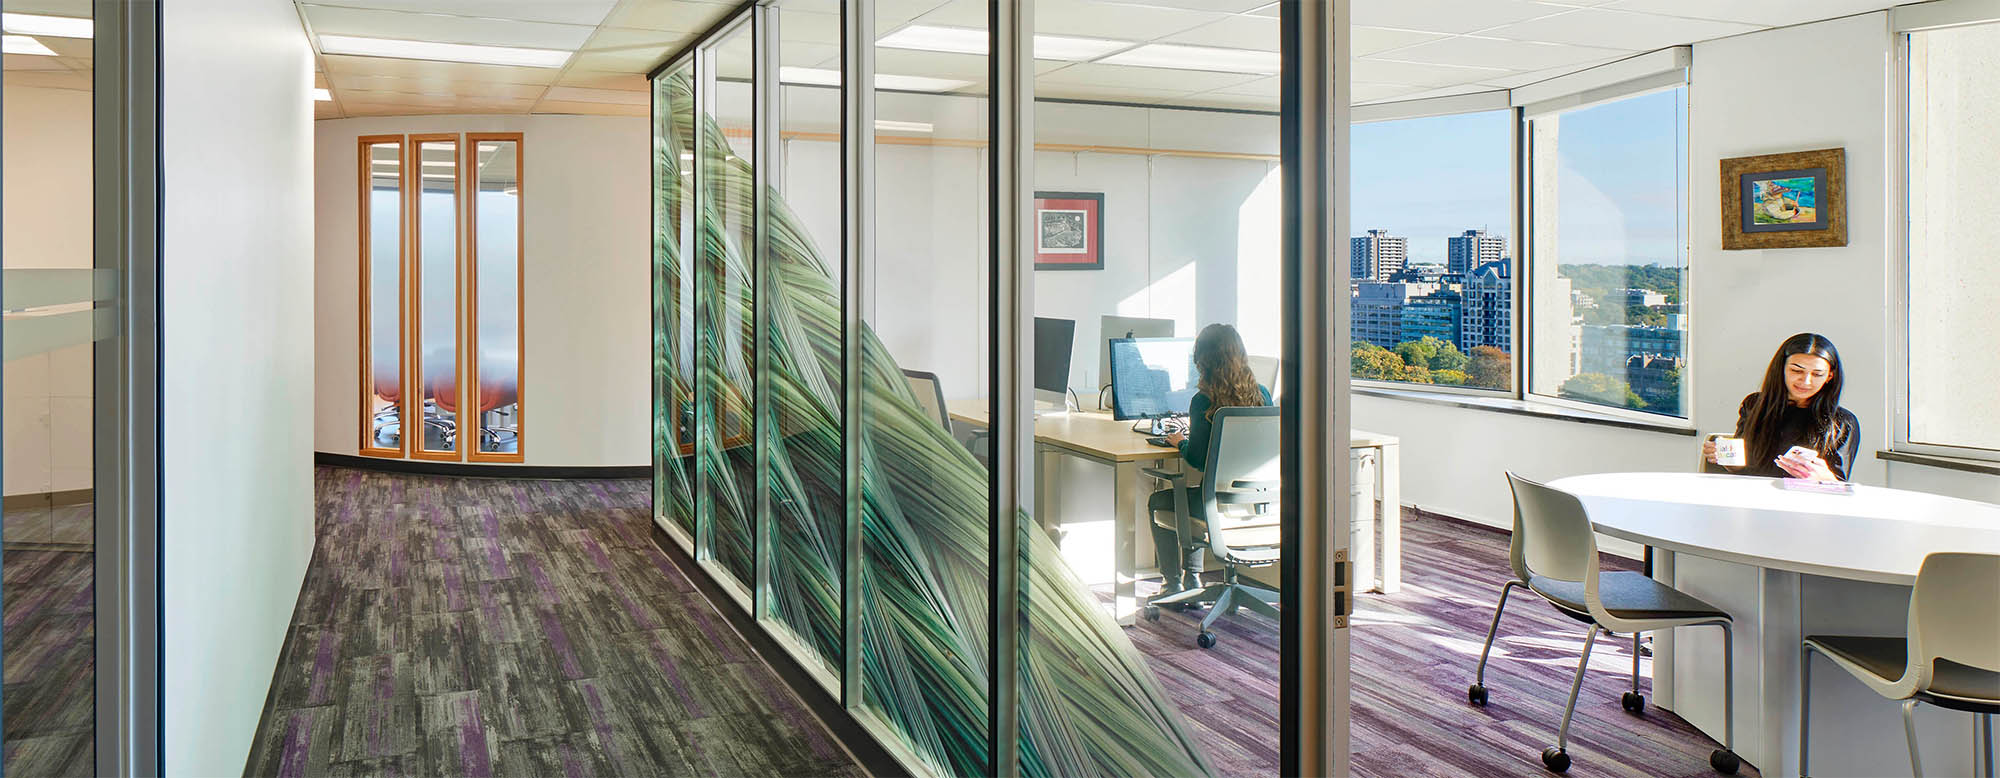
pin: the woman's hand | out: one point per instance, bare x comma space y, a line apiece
1806, 463
1708, 452
1174, 438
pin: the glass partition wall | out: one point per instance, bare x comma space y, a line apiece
844, 430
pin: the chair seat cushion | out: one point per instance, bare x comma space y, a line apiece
1888, 658
1626, 595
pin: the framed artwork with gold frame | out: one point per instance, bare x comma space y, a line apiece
1782, 201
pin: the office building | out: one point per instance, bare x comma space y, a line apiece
643, 387
1378, 256
1468, 251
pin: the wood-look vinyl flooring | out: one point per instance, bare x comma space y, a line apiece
472, 627
49, 672
1412, 655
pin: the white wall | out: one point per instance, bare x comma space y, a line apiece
1743, 302
586, 190
236, 365
48, 225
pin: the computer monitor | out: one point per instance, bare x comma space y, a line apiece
1053, 341
1110, 327
1152, 377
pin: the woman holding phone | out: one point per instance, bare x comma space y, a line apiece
1793, 426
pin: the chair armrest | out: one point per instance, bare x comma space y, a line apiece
1178, 479
1245, 484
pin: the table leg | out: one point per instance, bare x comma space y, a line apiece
1776, 695
1129, 519
1389, 488
1663, 640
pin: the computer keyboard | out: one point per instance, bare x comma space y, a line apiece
1161, 442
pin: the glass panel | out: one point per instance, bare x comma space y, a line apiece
1609, 189
673, 298
51, 399
1431, 271
498, 299
437, 294
1954, 117
383, 216
924, 610
802, 348
726, 289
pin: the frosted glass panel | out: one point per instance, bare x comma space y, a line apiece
437, 289
385, 295
498, 249
727, 288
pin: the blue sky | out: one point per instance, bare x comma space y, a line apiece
1622, 170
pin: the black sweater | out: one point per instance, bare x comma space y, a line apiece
1795, 429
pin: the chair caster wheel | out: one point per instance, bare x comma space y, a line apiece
1205, 640
1476, 694
1633, 702
1152, 613
1724, 761
1556, 759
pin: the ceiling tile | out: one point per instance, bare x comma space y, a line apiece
1619, 29
1368, 93
326, 110
33, 62
1229, 101
48, 79
672, 15
1450, 16
1236, 32
594, 79
1463, 89
590, 109
1766, 12
369, 23
345, 85
588, 13
339, 65
1512, 80
628, 50
808, 55
956, 13
933, 64
1382, 71
387, 109
1263, 87
578, 94
809, 28
1085, 19
1372, 40
75, 9
1110, 93
1126, 77
1498, 53
1218, 6
355, 99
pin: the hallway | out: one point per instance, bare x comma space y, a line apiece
453, 626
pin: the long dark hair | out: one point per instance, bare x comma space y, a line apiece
1225, 369
1767, 412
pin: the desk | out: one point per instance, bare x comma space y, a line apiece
1787, 564
1097, 437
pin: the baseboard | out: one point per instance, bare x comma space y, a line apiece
866, 750
481, 470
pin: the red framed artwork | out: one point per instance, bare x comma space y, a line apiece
1069, 230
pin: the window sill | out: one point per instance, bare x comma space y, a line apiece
1523, 408
1948, 463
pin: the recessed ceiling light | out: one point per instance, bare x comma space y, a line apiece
51, 26
445, 52
22, 44
962, 40
824, 77
1178, 57
320, 95
896, 126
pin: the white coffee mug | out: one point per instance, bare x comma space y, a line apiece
1729, 451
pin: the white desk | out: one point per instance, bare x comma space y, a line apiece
1786, 564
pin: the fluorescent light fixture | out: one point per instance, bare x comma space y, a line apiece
1179, 57
896, 126
50, 26
22, 44
320, 95
962, 40
489, 147
443, 52
824, 77
441, 176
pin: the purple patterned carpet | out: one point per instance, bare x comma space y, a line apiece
50, 670
1413, 656
472, 627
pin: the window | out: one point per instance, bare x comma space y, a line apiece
441, 310
1431, 264
1608, 229
1954, 113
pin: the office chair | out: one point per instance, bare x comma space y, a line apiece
1554, 555
930, 395
1242, 517
1949, 658
498, 387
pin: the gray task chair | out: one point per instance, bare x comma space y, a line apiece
930, 395
1949, 658
1554, 555
1239, 504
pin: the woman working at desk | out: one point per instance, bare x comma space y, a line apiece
1225, 382
1794, 426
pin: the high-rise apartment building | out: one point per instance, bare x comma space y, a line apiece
1377, 256
1487, 314
1465, 253
1378, 310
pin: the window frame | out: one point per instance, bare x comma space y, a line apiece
413, 151
469, 295
365, 178
1906, 24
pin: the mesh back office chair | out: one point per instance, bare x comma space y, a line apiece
1554, 554
1239, 503
1950, 658
930, 395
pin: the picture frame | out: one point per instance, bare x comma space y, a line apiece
1792, 200
1069, 230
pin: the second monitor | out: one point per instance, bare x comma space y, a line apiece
1152, 377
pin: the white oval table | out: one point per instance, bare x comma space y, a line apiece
1786, 564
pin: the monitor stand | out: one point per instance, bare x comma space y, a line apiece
1049, 403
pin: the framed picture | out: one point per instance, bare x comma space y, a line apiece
1069, 230
1777, 201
